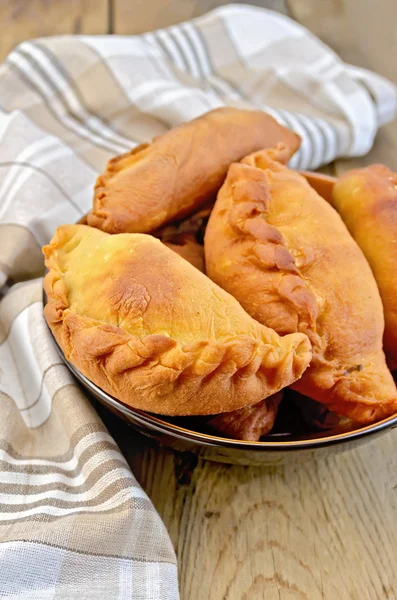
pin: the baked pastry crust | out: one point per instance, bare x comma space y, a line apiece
249, 423
180, 170
285, 254
366, 199
148, 328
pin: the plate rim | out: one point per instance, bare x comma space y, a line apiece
155, 422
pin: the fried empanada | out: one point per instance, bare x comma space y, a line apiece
150, 329
367, 202
180, 170
285, 254
249, 423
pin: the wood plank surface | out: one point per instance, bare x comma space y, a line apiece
321, 529
318, 530
24, 19
140, 15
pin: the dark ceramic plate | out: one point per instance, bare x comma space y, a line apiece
291, 438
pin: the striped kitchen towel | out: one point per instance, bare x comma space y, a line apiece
74, 523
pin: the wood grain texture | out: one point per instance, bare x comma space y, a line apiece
304, 531
312, 531
25, 19
139, 16
362, 33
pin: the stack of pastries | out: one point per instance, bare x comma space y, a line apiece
208, 278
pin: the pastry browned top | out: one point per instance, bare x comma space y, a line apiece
286, 255
150, 329
180, 170
367, 202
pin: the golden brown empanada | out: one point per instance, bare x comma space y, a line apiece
367, 202
249, 423
286, 255
180, 170
153, 331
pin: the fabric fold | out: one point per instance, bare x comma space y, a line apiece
74, 522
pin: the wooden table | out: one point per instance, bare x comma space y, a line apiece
319, 530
